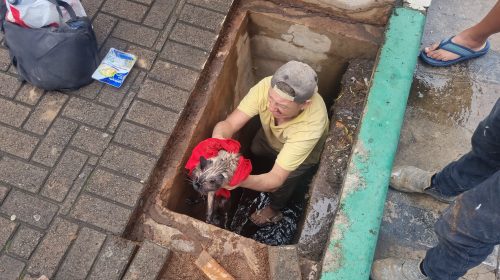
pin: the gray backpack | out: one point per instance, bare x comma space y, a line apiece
53, 58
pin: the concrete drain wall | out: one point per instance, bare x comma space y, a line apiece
258, 38
263, 42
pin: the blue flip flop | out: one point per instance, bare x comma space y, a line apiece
463, 52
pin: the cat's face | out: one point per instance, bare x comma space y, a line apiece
209, 175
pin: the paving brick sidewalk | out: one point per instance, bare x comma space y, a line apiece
73, 166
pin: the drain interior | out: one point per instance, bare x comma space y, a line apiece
265, 37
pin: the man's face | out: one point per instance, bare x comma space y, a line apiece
282, 108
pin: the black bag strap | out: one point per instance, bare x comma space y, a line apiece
3, 12
66, 6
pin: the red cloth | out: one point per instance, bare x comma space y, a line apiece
209, 148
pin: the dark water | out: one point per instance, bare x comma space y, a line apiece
280, 233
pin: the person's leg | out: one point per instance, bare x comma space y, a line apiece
477, 165
467, 232
279, 198
461, 175
474, 37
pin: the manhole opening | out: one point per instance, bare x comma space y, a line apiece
263, 42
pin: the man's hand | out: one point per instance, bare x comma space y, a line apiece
229, 187
234, 122
267, 182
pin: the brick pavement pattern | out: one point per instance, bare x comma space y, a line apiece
73, 166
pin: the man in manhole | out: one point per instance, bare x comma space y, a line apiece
294, 123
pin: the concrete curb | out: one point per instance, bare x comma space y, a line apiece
353, 237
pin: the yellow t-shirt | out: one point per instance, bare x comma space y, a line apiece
297, 141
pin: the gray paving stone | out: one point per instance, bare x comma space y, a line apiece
25, 242
148, 262
91, 7
138, 81
145, 2
174, 75
10, 85
112, 42
16, 143
128, 162
114, 187
91, 140
202, 18
13, 113
136, 33
54, 143
22, 175
45, 112
4, 59
121, 112
100, 213
145, 58
193, 36
87, 112
81, 256
52, 248
152, 116
3, 192
63, 176
93, 160
7, 227
141, 138
29, 94
29, 209
75, 190
219, 5
90, 91
159, 13
125, 9
168, 27
103, 25
164, 95
112, 96
12, 70
184, 55
113, 259
10, 268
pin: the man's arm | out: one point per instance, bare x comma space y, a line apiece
234, 122
267, 182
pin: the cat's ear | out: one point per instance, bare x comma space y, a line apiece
203, 162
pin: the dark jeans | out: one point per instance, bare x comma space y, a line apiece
299, 176
470, 227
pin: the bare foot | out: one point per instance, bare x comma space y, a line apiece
462, 39
266, 215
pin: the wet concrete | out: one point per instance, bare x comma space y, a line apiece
444, 107
326, 186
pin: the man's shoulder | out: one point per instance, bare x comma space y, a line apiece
264, 84
261, 88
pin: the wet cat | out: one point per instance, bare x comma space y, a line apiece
209, 176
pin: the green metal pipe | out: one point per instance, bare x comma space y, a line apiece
353, 238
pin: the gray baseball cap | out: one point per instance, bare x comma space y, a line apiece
300, 77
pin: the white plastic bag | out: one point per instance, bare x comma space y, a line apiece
39, 13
